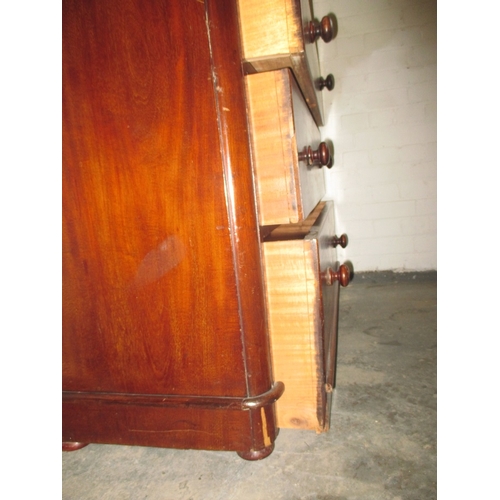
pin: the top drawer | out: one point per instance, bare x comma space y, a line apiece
278, 34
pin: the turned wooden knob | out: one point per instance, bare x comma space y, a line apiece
342, 241
326, 29
328, 82
343, 276
321, 156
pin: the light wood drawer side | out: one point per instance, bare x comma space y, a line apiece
270, 28
280, 126
272, 38
274, 148
294, 313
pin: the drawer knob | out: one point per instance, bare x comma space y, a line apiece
342, 241
321, 156
343, 276
328, 82
326, 29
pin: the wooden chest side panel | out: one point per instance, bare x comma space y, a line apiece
150, 281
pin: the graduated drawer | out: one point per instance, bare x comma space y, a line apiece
276, 34
281, 127
302, 312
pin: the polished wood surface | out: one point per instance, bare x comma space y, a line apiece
281, 127
342, 240
328, 82
73, 446
326, 29
303, 317
283, 46
342, 275
132, 266
162, 279
321, 156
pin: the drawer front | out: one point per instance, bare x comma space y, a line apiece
302, 316
281, 127
272, 35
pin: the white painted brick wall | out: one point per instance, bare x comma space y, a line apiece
381, 117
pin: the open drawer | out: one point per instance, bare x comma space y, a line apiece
286, 149
302, 278
282, 34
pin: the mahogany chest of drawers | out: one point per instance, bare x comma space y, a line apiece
192, 223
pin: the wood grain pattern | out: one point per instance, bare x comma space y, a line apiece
294, 308
302, 319
132, 266
297, 231
272, 38
158, 203
281, 20
274, 147
280, 127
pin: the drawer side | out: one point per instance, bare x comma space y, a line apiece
274, 147
295, 324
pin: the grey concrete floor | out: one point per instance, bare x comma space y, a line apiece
382, 444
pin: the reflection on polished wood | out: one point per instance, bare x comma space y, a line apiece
162, 281
73, 446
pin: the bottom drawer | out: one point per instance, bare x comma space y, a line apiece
302, 278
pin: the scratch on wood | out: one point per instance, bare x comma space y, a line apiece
167, 431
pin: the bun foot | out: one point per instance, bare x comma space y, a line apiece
73, 446
256, 454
